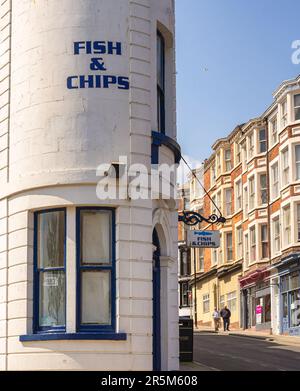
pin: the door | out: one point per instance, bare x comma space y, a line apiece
156, 304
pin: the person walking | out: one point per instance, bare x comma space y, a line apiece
226, 314
216, 318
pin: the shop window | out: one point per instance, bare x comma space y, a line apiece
206, 304
297, 107
96, 269
49, 270
161, 83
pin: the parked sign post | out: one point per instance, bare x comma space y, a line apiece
203, 239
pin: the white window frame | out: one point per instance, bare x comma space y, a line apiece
253, 245
229, 249
273, 130
284, 113
274, 181
246, 249
228, 205
263, 242
239, 242
251, 193
285, 167
264, 141
297, 163
251, 145
295, 107
227, 161
238, 195
276, 242
287, 225
261, 190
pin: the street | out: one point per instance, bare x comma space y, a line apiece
232, 353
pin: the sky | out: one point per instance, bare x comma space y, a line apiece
231, 56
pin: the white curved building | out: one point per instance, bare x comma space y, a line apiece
85, 83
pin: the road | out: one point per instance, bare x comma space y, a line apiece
231, 353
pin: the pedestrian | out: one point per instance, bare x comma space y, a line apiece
216, 318
226, 314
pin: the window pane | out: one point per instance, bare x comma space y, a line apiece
95, 301
96, 237
297, 100
51, 239
295, 307
52, 299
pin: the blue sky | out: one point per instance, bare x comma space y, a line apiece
231, 56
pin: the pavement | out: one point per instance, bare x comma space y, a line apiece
238, 351
195, 367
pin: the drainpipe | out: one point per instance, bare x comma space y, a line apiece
195, 295
269, 206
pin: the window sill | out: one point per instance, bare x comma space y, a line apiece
74, 337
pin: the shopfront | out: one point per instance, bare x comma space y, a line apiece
256, 300
289, 285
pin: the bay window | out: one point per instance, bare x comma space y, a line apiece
246, 250
229, 253
274, 134
263, 189
264, 241
252, 244
95, 269
238, 196
276, 234
239, 240
275, 181
49, 271
228, 165
285, 167
297, 162
284, 113
251, 145
251, 193
228, 201
298, 222
297, 107
262, 135
287, 225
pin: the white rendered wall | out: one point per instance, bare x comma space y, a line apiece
50, 147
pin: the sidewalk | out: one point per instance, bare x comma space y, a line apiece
195, 367
281, 339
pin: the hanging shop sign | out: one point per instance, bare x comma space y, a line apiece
203, 239
99, 76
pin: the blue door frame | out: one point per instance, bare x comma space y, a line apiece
156, 305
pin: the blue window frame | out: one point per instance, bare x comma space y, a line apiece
49, 304
161, 115
95, 242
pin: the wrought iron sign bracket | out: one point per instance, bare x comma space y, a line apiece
194, 218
